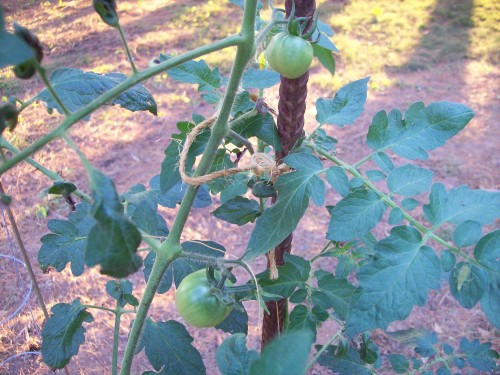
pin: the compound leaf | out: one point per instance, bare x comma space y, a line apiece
345, 107
63, 333
262, 127
67, 241
76, 89
398, 277
424, 128
355, 215
233, 357
302, 319
480, 356
168, 347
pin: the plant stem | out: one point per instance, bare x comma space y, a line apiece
242, 140
124, 41
71, 119
323, 348
26, 258
46, 81
116, 340
160, 265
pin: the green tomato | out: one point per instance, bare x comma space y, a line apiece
289, 55
196, 303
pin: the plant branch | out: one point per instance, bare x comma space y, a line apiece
71, 119
124, 41
388, 201
323, 348
116, 340
26, 258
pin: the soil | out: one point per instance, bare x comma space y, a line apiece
128, 147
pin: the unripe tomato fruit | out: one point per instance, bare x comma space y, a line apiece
289, 55
196, 303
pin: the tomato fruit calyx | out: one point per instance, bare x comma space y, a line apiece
297, 26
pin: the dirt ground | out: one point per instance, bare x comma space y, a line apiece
129, 148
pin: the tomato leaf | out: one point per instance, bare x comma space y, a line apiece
468, 283
118, 290
294, 190
262, 127
487, 252
76, 89
236, 322
233, 357
345, 107
292, 275
334, 293
259, 79
461, 204
113, 240
399, 363
337, 178
467, 233
64, 188
197, 72
343, 362
355, 215
399, 276
325, 57
13, 50
168, 347
238, 210
67, 241
424, 128
63, 333
480, 356
292, 350
181, 267
409, 180
302, 319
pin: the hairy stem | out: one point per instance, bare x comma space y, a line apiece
323, 348
46, 81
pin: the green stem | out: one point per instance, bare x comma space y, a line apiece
26, 104
388, 201
116, 340
362, 161
83, 158
239, 138
323, 348
159, 267
46, 81
71, 119
124, 41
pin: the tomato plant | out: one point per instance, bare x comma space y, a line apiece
197, 302
289, 55
374, 280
